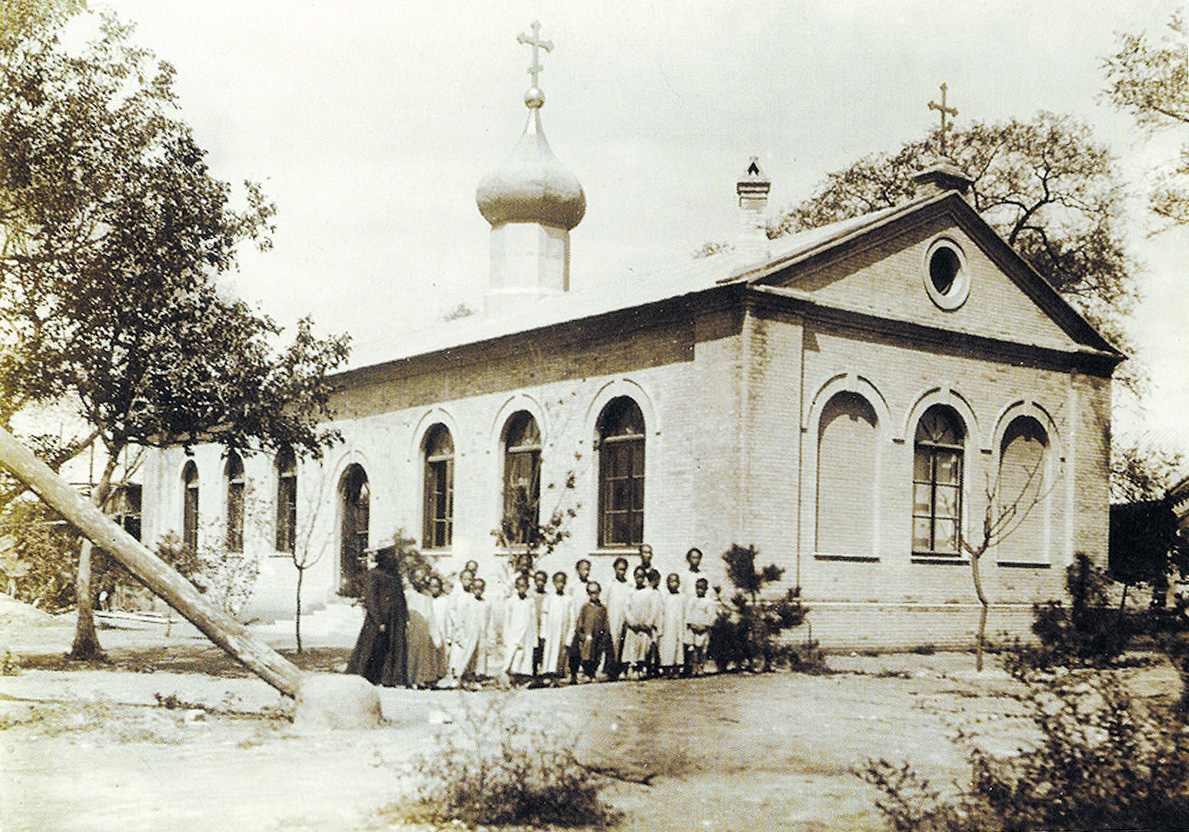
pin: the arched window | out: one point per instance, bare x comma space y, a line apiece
354, 511
1020, 492
235, 503
937, 482
286, 464
522, 477
846, 476
621, 473
190, 506
438, 532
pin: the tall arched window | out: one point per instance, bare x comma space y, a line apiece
937, 482
235, 503
846, 477
355, 513
190, 506
1020, 492
621, 473
286, 464
522, 477
438, 532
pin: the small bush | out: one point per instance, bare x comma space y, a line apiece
1089, 632
493, 766
1103, 761
748, 634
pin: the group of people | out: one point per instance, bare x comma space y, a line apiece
549, 627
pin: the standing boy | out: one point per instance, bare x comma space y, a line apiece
557, 629
520, 632
615, 597
671, 642
592, 633
699, 617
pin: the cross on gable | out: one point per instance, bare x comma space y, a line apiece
537, 44
944, 110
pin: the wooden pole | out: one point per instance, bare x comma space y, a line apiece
167, 584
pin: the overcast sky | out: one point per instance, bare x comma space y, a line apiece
371, 123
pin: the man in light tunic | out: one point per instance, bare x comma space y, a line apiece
692, 571
558, 615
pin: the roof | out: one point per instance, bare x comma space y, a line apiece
705, 274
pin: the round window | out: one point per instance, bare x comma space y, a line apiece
947, 279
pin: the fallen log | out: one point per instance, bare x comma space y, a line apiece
163, 581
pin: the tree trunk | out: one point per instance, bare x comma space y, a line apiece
86, 640
297, 616
171, 587
982, 616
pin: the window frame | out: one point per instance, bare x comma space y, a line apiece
933, 450
286, 520
628, 447
233, 540
528, 449
438, 498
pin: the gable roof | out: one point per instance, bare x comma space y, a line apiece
786, 255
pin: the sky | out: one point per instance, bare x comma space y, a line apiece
370, 124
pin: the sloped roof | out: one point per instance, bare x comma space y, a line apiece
724, 268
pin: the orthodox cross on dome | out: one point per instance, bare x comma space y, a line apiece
933, 105
537, 44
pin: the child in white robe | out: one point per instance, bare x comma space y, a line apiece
652, 656
615, 596
670, 644
558, 615
441, 624
520, 631
468, 628
638, 615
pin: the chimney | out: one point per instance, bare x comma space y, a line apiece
941, 177
752, 188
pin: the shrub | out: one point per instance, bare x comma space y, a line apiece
1089, 632
1102, 760
493, 766
748, 634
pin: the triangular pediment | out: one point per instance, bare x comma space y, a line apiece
937, 264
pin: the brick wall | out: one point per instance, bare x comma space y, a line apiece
732, 384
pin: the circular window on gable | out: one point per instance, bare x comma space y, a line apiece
947, 279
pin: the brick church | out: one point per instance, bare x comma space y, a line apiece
854, 400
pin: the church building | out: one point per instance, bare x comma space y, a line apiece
856, 400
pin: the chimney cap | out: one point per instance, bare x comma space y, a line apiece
753, 177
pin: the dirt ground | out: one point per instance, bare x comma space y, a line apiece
173, 735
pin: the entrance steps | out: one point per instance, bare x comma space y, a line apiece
335, 624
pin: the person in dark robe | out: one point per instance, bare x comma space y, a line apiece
380, 653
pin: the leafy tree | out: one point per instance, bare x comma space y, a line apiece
1044, 185
114, 234
1150, 81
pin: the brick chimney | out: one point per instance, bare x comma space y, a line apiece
752, 188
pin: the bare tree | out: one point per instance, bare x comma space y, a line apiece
310, 545
1001, 518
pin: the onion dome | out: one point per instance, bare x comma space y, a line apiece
531, 185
